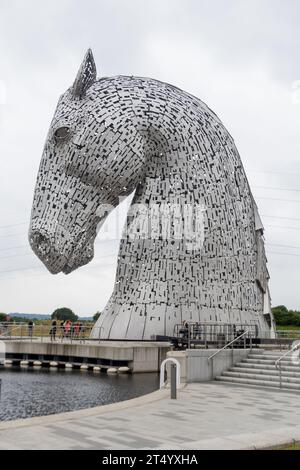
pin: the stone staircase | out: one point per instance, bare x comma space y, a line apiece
259, 369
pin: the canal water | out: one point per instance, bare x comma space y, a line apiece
26, 392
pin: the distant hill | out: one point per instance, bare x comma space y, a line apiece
39, 316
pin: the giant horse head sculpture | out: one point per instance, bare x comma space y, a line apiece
110, 136
81, 176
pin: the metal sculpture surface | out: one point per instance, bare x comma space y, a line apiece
193, 247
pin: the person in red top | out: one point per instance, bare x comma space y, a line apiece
67, 327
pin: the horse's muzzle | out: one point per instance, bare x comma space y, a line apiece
44, 248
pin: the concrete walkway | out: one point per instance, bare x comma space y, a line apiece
205, 416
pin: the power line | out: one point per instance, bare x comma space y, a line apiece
280, 217
282, 226
281, 253
11, 235
13, 225
273, 172
283, 246
45, 273
275, 189
3, 278
8, 249
31, 253
277, 199
13, 247
20, 269
39, 266
15, 256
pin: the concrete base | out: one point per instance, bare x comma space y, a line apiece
195, 367
138, 356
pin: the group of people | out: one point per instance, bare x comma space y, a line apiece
66, 329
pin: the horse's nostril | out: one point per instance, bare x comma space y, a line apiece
40, 242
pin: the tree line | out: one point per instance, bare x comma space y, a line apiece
62, 314
284, 317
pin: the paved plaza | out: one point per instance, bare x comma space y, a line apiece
205, 416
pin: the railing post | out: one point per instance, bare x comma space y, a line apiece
162, 371
280, 375
173, 381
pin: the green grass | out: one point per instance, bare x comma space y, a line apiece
287, 327
295, 446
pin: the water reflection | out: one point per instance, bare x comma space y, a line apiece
28, 392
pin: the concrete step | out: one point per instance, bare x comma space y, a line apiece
270, 378
266, 361
260, 383
273, 357
291, 368
274, 372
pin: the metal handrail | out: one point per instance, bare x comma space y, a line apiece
210, 358
294, 348
8, 333
40, 332
231, 342
278, 361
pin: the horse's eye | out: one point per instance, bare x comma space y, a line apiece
62, 133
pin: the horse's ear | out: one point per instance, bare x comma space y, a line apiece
86, 75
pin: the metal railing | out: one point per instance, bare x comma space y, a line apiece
211, 333
8, 331
278, 361
47, 332
288, 334
210, 359
205, 334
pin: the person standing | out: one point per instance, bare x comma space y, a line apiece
30, 328
76, 329
62, 329
53, 330
68, 328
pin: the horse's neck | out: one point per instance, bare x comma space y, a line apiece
149, 254
177, 172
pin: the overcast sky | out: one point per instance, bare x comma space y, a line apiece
241, 57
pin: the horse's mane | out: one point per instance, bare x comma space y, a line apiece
130, 79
